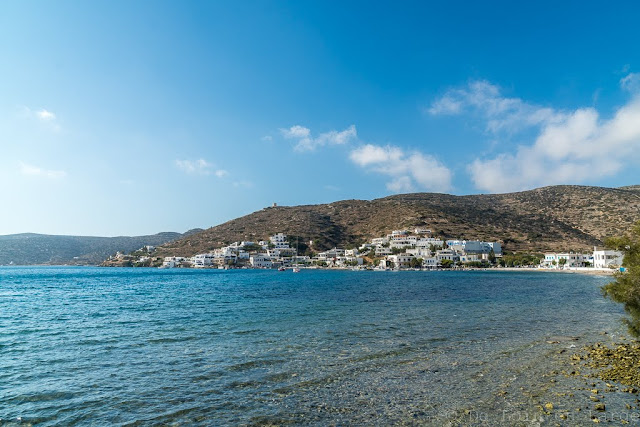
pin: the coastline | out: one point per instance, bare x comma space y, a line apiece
581, 270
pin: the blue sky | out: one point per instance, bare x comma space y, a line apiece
123, 118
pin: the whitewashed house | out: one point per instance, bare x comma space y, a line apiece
260, 261
382, 251
606, 258
203, 260
172, 261
279, 241
566, 259
399, 260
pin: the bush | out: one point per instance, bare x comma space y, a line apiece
625, 288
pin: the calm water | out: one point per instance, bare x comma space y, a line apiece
143, 347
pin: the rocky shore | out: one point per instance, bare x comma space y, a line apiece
605, 382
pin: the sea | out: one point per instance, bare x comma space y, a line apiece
136, 346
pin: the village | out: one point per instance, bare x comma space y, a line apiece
400, 250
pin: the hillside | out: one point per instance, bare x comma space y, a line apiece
29, 248
548, 218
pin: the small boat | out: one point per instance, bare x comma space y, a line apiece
296, 269
281, 269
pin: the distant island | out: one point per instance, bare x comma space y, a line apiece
45, 249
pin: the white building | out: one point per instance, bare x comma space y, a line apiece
422, 231
446, 254
172, 261
420, 252
260, 261
203, 260
426, 242
430, 262
379, 241
332, 253
354, 259
279, 241
399, 260
382, 251
470, 258
566, 259
475, 246
607, 258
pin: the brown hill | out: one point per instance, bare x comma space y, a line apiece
549, 218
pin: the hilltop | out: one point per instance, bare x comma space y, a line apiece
562, 217
31, 248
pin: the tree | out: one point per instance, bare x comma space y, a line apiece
415, 262
492, 257
253, 247
562, 261
625, 288
446, 263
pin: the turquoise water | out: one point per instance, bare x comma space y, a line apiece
145, 346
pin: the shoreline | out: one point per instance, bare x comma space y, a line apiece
582, 270
575, 270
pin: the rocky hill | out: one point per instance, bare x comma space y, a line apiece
30, 248
549, 218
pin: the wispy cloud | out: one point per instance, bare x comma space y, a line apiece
631, 82
408, 171
567, 147
195, 167
305, 142
267, 138
45, 115
34, 171
200, 167
500, 113
243, 184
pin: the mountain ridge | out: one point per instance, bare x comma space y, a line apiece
49, 249
565, 217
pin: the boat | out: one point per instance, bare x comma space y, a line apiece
296, 269
282, 268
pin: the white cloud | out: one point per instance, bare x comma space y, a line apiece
500, 113
200, 167
408, 170
267, 138
195, 167
243, 184
305, 142
47, 118
34, 171
337, 138
631, 82
45, 115
573, 147
296, 131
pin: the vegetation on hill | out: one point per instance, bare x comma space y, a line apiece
626, 288
557, 218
